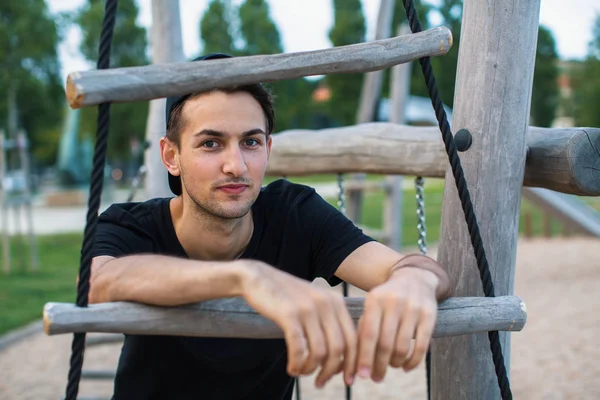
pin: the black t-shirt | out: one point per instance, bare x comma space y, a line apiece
295, 230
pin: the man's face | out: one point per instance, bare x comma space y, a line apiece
223, 152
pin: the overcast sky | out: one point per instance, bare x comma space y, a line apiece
303, 25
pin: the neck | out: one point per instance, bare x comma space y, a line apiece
206, 237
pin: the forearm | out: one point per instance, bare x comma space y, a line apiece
165, 281
443, 288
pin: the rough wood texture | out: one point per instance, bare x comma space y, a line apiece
166, 45
385, 148
565, 160
492, 100
234, 318
154, 81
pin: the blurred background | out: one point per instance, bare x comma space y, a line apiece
47, 147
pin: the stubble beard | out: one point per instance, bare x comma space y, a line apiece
216, 211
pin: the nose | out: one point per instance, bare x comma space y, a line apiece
234, 163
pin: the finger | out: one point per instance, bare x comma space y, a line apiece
424, 331
349, 334
404, 338
367, 338
387, 339
296, 348
335, 343
317, 347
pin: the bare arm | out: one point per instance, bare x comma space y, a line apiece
163, 280
372, 264
316, 323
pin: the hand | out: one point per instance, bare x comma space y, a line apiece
317, 327
402, 308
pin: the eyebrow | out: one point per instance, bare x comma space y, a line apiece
215, 133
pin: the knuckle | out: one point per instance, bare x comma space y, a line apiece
384, 347
338, 349
306, 308
393, 300
368, 334
319, 354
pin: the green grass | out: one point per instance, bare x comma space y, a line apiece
23, 294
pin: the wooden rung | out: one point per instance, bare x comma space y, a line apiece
562, 159
98, 374
104, 339
233, 318
88, 88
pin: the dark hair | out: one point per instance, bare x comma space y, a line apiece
261, 94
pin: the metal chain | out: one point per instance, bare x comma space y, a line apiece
421, 227
422, 243
341, 203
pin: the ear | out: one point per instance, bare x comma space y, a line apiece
269, 145
169, 153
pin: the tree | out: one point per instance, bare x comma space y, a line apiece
258, 30
129, 48
215, 28
586, 83
544, 98
348, 28
30, 75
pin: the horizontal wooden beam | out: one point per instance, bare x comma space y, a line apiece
98, 374
233, 318
565, 159
88, 88
103, 339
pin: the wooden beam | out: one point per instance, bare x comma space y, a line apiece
492, 100
88, 88
235, 319
563, 159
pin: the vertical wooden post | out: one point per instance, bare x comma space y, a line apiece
492, 100
166, 45
3, 209
23, 146
399, 90
371, 92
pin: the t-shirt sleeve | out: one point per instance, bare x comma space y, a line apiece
333, 238
119, 234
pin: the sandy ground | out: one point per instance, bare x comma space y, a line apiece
554, 357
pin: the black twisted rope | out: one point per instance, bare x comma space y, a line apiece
465, 199
97, 180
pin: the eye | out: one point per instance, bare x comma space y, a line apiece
251, 142
211, 144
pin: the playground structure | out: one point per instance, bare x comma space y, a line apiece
15, 197
492, 97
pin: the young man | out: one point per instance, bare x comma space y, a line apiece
224, 235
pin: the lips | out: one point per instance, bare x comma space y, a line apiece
233, 189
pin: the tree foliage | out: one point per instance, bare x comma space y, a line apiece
348, 28
129, 48
544, 98
216, 28
30, 67
586, 83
